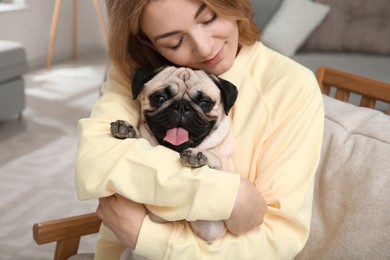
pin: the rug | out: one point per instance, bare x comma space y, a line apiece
37, 156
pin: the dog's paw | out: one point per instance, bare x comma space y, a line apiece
122, 129
193, 158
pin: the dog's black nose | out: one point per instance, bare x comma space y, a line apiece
182, 107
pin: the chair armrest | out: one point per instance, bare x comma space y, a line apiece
66, 232
345, 83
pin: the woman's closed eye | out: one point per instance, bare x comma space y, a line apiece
207, 22
177, 46
211, 20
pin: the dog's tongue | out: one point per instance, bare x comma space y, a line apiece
176, 136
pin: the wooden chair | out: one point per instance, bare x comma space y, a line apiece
67, 232
347, 83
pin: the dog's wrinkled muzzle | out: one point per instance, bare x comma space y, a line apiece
179, 126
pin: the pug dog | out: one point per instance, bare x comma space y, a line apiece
185, 110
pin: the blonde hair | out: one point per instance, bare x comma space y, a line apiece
129, 47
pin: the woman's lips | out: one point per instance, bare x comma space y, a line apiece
216, 58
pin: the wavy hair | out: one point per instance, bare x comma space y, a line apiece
130, 48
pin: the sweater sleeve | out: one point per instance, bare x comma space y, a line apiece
145, 174
287, 162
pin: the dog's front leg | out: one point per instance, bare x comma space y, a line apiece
194, 157
122, 129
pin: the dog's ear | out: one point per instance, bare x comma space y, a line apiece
228, 92
140, 77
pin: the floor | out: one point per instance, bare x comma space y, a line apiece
37, 154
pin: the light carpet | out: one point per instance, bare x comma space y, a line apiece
37, 155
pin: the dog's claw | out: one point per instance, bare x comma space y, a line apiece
122, 129
193, 158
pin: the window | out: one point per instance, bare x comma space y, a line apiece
9, 5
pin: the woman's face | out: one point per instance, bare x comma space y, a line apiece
189, 34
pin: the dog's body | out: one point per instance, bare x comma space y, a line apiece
187, 111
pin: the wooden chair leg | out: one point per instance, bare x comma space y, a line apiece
101, 20
66, 248
53, 31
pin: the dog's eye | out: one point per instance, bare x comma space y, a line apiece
205, 105
157, 100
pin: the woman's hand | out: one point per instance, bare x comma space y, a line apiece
123, 216
248, 211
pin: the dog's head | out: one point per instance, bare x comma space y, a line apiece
181, 106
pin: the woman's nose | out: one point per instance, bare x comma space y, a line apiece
202, 44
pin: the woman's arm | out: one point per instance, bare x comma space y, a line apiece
124, 217
142, 173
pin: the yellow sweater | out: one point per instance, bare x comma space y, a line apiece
278, 121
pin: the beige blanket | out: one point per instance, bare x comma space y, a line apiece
351, 216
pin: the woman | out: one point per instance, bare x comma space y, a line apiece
277, 118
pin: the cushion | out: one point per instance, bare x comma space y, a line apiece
264, 10
12, 60
353, 25
351, 212
292, 24
366, 65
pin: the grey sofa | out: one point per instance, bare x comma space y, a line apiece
13, 65
353, 36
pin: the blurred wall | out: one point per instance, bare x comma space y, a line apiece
31, 27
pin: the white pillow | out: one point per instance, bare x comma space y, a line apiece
292, 24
